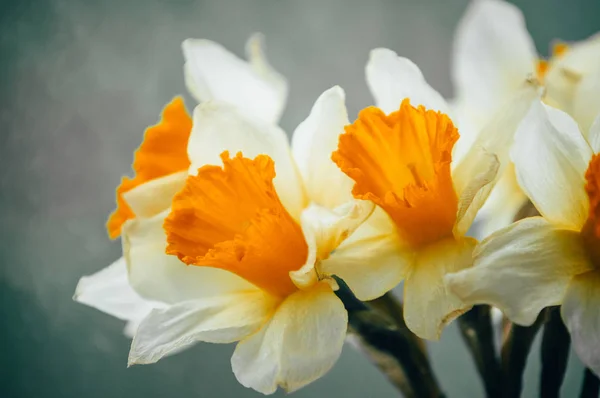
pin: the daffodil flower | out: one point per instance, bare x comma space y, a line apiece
493, 54
161, 162
399, 155
554, 259
250, 243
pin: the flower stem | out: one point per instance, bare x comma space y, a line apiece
591, 385
555, 354
390, 348
476, 329
514, 356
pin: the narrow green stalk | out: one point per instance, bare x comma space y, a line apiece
514, 356
395, 354
591, 385
476, 329
556, 342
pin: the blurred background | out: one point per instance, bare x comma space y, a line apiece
80, 81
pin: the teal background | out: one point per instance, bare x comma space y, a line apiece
79, 82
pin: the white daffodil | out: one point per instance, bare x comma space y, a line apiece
161, 162
493, 54
263, 231
264, 224
554, 259
399, 155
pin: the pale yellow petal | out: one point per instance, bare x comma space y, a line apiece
428, 304
581, 315
220, 127
153, 197
371, 265
521, 269
159, 276
493, 55
300, 344
313, 143
478, 171
551, 156
220, 319
392, 78
214, 73
108, 290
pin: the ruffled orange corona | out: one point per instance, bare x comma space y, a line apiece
231, 218
401, 161
591, 230
163, 152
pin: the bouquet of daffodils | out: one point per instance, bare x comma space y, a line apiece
362, 231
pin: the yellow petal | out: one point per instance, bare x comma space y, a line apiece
158, 276
428, 304
220, 319
522, 268
300, 344
582, 318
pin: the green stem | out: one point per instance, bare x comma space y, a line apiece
591, 385
476, 329
514, 356
556, 342
397, 356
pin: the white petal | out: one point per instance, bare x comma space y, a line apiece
586, 102
582, 318
324, 230
158, 276
495, 138
551, 157
428, 305
493, 55
221, 319
371, 264
522, 269
213, 73
392, 78
594, 135
154, 196
476, 191
301, 343
568, 74
312, 144
219, 127
108, 290
503, 204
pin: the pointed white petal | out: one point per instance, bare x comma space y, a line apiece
572, 75
502, 205
301, 343
594, 135
312, 144
254, 87
371, 264
392, 78
154, 196
108, 290
582, 318
551, 157
586, 102
159, 276
219, 127
220, 319
493, 55
428, 304
521, 269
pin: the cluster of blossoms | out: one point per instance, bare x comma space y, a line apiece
230, 234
